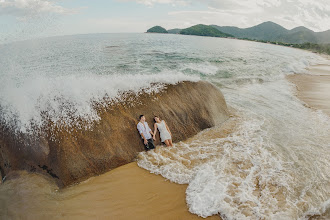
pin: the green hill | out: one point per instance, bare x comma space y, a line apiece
300, 28
267, 31
270, 31
264, 31
323, 37
204, 30
298, 37
235, 31
174, 31
157, 29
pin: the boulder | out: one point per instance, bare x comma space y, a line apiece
75, 154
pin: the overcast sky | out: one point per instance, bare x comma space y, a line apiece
24, 19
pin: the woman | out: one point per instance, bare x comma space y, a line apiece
164, 131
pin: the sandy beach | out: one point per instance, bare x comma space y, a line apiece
127, 192
314, 88
256, 165
156, 195
131, 192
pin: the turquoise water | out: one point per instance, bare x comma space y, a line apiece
279, 147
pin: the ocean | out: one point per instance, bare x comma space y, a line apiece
274, 165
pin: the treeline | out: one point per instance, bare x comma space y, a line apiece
320, 48
212, 31
204, 30
317, 48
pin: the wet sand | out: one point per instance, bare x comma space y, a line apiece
132, 193
127, 192
314, 88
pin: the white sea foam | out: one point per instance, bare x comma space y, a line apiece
203, 68
323, 210
265, 170
245, 182
69, 98
239, 177
274, 166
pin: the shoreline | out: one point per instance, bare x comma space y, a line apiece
135, 194
327, 56
126, 192
314, 88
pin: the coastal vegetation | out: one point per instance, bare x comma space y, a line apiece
174, 31
316, 48
266, 32
319, 48
157, 29
204, 30
270, 31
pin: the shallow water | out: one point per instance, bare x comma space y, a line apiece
275, 164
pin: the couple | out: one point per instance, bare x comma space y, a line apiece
145, 132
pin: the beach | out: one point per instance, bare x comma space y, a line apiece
131, 192
142, 195
314, 88
258, 167
127, 192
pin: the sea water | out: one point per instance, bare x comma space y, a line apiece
274, 165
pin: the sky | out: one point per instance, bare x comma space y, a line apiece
26, 19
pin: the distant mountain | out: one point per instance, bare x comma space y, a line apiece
323, 37
204, 30
174, 31
267, 31
270, 31
157, 29
264, 31
235, 31
298, 37
300, 28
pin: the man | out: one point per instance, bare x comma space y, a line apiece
145, 133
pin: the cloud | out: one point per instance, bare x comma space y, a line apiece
153, 2
289, 13
32, 8
245, 13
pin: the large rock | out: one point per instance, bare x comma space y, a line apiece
71, 156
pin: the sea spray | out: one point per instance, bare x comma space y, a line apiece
238, 177
68, 100
273, 166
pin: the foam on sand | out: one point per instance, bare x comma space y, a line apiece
237, 177
314, 88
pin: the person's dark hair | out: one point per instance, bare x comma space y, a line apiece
140, 116
155, 117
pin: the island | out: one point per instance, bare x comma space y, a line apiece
157, 29
266, 32
204, 30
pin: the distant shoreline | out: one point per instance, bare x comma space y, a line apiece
296, 46
314, 88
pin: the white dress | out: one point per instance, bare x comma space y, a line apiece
164, 134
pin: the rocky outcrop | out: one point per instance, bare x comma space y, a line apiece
72, 155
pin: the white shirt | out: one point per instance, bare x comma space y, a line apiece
145, 130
